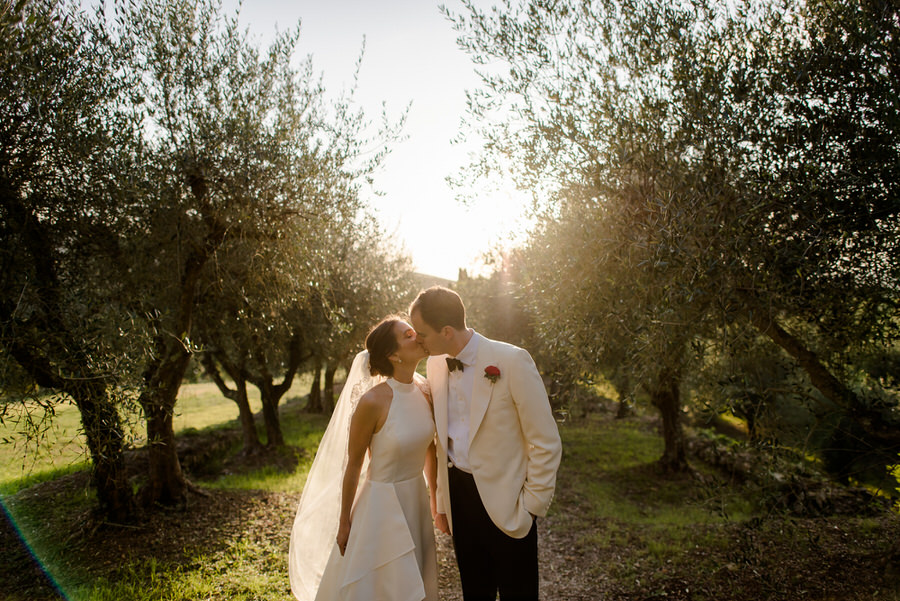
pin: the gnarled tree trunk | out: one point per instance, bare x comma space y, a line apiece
314, 404
106, 443
60, 360
274, 436
166, 483
271, 393
830, 387
328, 392
238, 394
863, 431
666, 397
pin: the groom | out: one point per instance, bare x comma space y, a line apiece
498, 449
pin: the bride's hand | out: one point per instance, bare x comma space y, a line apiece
343, 536
441, 523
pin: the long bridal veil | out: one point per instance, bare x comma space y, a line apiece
316, 523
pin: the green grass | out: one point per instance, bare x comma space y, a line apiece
607, 479
244, 571
50, 472
61, 449
621, 502
645, 532
37, 522
54, 445
299, 431
612, 473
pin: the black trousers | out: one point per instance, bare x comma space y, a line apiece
489, 560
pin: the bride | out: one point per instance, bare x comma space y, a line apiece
372, 540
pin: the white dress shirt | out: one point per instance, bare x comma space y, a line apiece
459, 400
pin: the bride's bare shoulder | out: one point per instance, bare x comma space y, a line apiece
376, 397
374, 405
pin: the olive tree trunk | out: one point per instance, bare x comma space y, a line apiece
666, 397
238, 394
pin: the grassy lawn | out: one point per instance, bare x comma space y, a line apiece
41, 513
61, 448
57, 449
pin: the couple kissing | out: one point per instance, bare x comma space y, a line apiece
479, 428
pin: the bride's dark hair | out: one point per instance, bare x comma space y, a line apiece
381, 344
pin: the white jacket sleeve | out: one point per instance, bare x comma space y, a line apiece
540, 431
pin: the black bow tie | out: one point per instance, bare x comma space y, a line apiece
454, 364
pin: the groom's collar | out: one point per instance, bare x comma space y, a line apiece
469, 353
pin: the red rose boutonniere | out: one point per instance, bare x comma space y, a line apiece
492, 373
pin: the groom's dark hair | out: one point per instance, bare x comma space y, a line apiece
440, 307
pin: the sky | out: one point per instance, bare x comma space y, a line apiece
411, 56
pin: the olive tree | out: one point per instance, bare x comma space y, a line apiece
66, 140
366, 277
243, 148
705, 163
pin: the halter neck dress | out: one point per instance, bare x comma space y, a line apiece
390, 555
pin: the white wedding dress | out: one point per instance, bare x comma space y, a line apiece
390, 554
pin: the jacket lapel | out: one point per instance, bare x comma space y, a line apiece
481, 389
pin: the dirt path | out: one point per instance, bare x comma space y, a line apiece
564, 571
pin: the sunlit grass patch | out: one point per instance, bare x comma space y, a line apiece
609, 470
12, 485
48, 520
302, 434
61, 448
35, 442
242, 571
635, 519
202, 405
607, 446
736, 422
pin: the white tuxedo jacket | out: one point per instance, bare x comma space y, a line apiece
514, 444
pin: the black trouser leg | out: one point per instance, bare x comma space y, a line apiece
517, 566
489, 560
